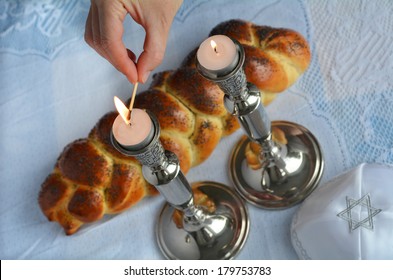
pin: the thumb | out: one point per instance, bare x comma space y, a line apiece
153, 51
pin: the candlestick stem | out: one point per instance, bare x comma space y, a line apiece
203, 235
288, 171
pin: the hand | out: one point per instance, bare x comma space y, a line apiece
104, 31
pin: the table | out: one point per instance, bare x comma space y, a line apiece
54, 88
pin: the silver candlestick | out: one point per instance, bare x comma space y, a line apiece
202, 235
288, 170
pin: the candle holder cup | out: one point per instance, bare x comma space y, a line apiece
202, 234
288, 169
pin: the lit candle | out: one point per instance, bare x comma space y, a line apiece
133, 130
218, 55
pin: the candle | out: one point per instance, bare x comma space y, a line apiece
132, 130
218, 55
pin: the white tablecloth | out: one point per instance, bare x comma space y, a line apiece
54, 88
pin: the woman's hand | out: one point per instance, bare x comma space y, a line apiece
104, 31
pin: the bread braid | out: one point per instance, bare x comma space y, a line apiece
91, 178
274, 57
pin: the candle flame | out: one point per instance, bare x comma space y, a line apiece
124, 112
213, 44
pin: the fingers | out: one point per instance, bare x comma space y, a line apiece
156, 18
153, 53
104, 31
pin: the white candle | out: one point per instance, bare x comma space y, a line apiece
218, 54
136, 135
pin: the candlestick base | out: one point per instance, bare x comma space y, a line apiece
275, 187
219, 235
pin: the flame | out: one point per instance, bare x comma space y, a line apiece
213, 44
123, 110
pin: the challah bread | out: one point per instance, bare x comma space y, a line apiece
91, 178
191, 114
274, 57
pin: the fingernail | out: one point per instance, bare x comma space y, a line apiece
145, 76
132, 80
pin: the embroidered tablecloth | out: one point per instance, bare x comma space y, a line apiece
54, 88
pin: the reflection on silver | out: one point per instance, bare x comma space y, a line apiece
289, 172
204, 235
272, 187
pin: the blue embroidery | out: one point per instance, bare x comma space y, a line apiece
41, 27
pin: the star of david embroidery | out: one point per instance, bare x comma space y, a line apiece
366, 222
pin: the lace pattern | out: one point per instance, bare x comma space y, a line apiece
350, 80
41, 27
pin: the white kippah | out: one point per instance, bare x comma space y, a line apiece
350, 217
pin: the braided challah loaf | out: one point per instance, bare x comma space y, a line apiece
274, 57
91, 178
